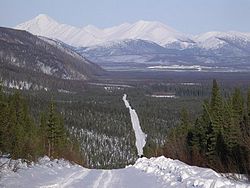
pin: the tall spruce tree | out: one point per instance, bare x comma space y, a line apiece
216, 135
246, 128
248, 107
43, 133
238, 106
3, 120
231, 126
185, 121
56, 133
51, 129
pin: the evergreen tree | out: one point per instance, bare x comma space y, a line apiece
231, 127
248, 114
51, 129
238, 106
43, 133
60, 136
216, 99
185, 121
20, 137
3, 121
248, 103
216, 107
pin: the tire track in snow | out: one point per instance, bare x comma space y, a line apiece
104, 180
71, 179
68, 180
97, 182
108, 179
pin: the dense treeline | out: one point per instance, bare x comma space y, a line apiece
98, 119
220, 136
158, 115
21, 137
101, 122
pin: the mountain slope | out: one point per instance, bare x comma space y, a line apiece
21, 49
36, 63
122, 47
225, 43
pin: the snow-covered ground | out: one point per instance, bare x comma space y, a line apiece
147, 173
164, 96
140, 136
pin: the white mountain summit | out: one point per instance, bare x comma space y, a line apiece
156, 32
90, 35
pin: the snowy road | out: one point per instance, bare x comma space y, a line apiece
140, 136
158, 172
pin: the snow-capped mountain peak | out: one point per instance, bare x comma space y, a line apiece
91, 28
37, 24
154, 31
90, 35
44, 18
152, 25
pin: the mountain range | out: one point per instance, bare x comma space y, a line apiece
151, 31
147, 43
91, 35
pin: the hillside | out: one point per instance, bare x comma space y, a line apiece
30, 59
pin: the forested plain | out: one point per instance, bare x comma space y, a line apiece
96, 127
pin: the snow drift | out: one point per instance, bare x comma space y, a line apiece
147, 173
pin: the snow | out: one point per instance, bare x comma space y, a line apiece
215, 39
90, 35
45, 69
122, 47
111, 85
190, 84
153, 31
22, 85
112, 147
148, 173
164, 96
140, 136
177, 67
178, 174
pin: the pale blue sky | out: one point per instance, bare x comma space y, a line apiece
188, 16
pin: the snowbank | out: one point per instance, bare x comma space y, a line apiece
147, 173
175, 173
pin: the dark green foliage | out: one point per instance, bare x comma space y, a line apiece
22, 138
248, 102
219, 138
99, 121
18, 131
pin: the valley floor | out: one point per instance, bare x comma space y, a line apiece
147, 173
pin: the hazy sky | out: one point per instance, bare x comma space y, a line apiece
188, 16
